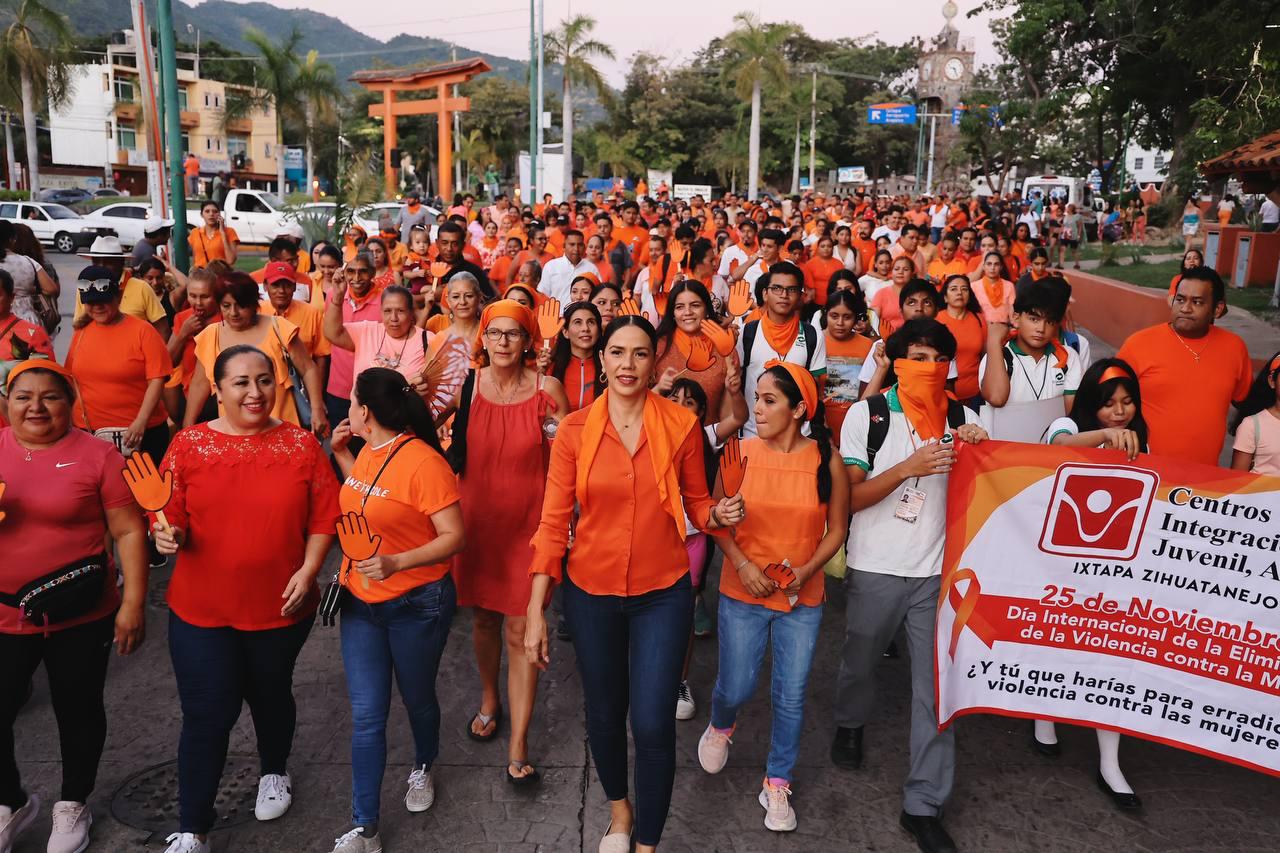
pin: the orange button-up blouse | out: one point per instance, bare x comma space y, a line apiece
626, 541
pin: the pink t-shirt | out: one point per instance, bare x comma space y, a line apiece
989, 312
55, 514
1260, 435
376, 348
341, 361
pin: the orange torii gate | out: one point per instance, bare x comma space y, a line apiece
392, 81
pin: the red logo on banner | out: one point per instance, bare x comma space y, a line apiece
1098, 511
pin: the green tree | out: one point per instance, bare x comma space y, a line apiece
35, 50
572, 47
756, 59
317, 89
277, 77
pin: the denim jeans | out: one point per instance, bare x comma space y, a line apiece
745, 629
630, 652
219, 669
405, 636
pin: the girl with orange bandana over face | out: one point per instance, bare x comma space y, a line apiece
634, 462
898, 476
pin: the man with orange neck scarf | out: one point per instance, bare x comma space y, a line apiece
780, 333
898, 449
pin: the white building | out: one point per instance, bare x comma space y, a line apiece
1146, 165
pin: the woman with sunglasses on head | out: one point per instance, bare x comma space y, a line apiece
682, 342
506, 417
1107, 413
241, 606
848, 346
632, 457
400, 601
799, 496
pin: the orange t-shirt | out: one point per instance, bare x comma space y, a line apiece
885, 304
498, 272
786, 521
186, 369
274, 342
634, 237
526, 256
940, 271
205, 248
417, 483
310, 323
866, 252
437, 323
817, 276
1173, 285
1186, 401
113, 364
970, 332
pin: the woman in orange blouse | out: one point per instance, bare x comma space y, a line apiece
575, 359
799, 497
630, 460
215, 240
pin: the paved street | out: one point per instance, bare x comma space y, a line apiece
1006, 799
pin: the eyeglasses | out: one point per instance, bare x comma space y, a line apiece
493, 336
98, 285
779, 290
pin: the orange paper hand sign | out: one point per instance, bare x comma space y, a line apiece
438, 269
660, 302
150, 488
700, 357
354, 538
780, 574
739, 299
733, 467
628, 306
721, 339
549, 320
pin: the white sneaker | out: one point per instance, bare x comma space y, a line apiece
186, 842
685, 706
713, 750
422, 790
70, 827
354, 841
13, 823
274, 796
776, 801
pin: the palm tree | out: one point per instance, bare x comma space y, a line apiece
474, 152
571, 46
35, 49
317, 87
755, 53
276, 73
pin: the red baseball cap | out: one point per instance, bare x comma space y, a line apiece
277, 270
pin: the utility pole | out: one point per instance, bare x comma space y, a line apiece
537, 180
535, 109
933, 132
813, 129
173, 130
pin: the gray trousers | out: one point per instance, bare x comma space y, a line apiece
877, 605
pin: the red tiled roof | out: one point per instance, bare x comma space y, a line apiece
1260, 155
412, 75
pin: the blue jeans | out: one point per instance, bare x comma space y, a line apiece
407, 636
744, 631
630, 652
935, 235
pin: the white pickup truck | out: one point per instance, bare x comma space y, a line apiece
254, 214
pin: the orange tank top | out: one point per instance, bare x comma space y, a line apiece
785, 521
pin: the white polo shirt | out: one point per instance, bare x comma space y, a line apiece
559, 274
733, 255
879, 541
1031, 380
761, 353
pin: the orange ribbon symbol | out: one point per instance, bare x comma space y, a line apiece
966, 605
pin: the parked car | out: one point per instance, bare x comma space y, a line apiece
255, 214
368, 217
108, 192
71, 195
125, 218
53, 224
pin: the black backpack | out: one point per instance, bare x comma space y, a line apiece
750, 330
878, 428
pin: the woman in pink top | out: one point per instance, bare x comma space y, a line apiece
395, 341
994, 291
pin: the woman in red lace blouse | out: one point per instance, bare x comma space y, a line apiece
253, 512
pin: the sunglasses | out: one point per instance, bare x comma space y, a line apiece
97, 285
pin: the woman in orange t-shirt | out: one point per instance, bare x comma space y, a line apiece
399, 602
819, 269
214, 240
963, 316
679, 331
886, 302
120, 364
799, 497
628, 597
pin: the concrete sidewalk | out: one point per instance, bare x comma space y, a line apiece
1007, 798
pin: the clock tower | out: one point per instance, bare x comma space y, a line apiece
945, 76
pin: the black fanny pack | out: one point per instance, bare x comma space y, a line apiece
64, 594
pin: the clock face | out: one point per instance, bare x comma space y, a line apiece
926, 70
954, 69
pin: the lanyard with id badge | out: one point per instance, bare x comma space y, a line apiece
911, 503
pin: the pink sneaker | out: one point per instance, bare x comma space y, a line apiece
776, 802
713, 750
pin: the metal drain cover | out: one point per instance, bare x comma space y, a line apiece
148, 800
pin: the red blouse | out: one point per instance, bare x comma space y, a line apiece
247, 504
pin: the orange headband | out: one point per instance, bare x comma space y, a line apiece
40, 364
512, 310
804, 381
1113, 372
1274, 366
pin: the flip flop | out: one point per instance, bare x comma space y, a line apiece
496, 719
531, 778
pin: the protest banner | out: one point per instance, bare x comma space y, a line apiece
1142, 597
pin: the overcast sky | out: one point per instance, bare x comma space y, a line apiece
672, 28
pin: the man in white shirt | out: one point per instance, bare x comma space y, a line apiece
892, 227
896, 537
938, 213
1270, 212
559, 273
759, 263
739, 252
1031, 219
781, 333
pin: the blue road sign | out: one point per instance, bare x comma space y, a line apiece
891, 114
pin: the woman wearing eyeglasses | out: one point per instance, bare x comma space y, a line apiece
120, 364
506, 417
